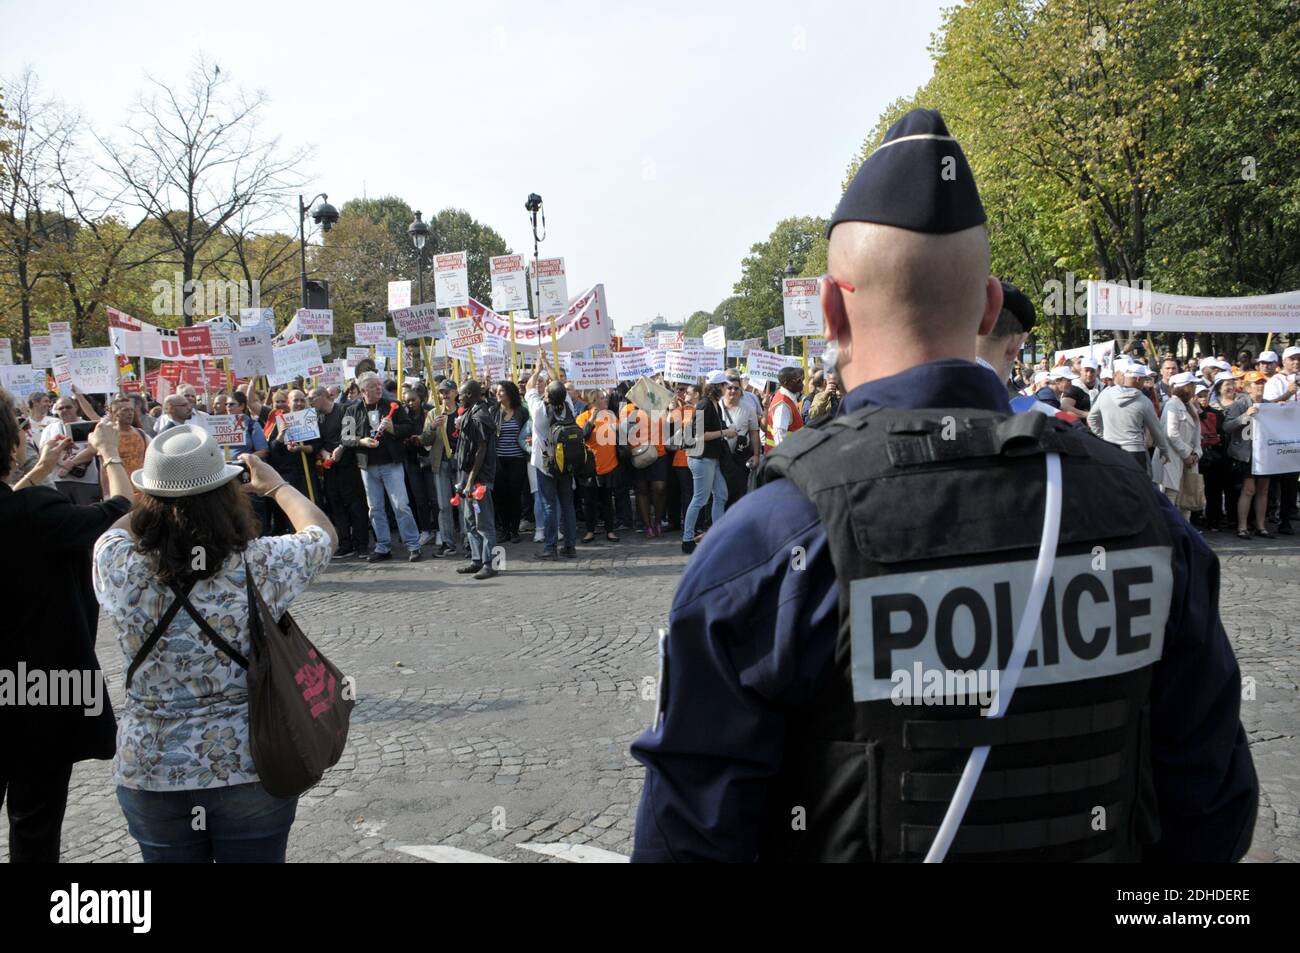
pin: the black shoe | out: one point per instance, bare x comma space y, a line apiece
568, 552
414, 556
1286, 530
378, 557
344, 554
688, 547
547, 554
487, 572
469, 569
443, 550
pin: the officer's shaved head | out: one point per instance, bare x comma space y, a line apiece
919, 296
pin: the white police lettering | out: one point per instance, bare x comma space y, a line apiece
1093, 623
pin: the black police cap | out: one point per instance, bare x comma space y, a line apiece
1018, 303
917, 179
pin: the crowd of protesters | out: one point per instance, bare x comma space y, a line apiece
1188, 422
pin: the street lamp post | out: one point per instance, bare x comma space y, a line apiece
419, 233
324, 215
790, 272
534, 207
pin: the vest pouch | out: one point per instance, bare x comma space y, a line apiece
826, 807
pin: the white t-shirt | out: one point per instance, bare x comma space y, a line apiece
92, 469
1277, 385
165, 421
740, 418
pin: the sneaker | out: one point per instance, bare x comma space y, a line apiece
688, 546
442, 550
425, 538
344, 554
414, 556
378, 557
539, 537
487, 572
568, 552
469, 569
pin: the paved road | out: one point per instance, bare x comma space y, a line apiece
495, 717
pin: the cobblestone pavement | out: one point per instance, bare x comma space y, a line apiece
494, 717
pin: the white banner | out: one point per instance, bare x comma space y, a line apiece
251, 354
715, 337
61, 336
451, 279
585, 323
679, 367
419, 321
736, 348
399, 295
509, 283
1103, 352
42, 352
669, 340
370, 332
316, 320
257, 319
593, 372
1116, 307
633, 364
332, 374
94, 369
552, 286
355, 354
775, 336
295, 360
761, 367
22, 379
1274, 432
801, 305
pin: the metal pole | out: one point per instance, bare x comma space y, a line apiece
302, 246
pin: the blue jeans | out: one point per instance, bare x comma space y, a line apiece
444, 479
480, 527
390, 478
706, 475
557, 491
240, 824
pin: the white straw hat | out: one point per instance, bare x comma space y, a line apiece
183, 461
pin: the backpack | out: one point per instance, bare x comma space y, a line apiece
568, 454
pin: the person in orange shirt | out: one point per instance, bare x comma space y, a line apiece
649, 482
600, 430
684, 409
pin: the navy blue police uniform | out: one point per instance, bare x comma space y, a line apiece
780, 734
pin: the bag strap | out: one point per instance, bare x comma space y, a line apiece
143, 652
234, 653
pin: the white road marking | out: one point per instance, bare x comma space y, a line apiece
448, 855
577, 853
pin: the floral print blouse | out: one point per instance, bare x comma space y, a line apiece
185, 721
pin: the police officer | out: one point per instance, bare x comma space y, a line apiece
891, 547
999, 349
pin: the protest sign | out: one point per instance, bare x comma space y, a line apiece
736, 349
509, 283
1119, 307
61, 367
462, 333
399, 295
300, 426
251, 354
630, 342
371, 332
22, 379
226, 429
317, 320
594, 372
61, 336
6, 351
657, 359
816, 347
763, 366
195, 341
388, 349
205, 379
715, 337
680, 367
451, 279
42, 352
1275, 442
420, 321
708, 360
332, 374
257, 319
801, 306
552, 286
652, 397
94, 369
669, 340
585, 323
295, 360
355, 354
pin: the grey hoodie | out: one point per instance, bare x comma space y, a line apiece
1121, 414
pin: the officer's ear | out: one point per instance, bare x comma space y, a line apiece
835, 315
992, 305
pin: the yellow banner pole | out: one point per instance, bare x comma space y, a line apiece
230, 377
401, 370
514, 357
555, 346
306, 471
1268, 340
805, 357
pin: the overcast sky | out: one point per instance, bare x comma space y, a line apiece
664, 137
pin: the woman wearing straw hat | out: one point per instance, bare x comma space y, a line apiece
183, 738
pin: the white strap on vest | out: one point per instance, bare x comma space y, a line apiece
1015, 664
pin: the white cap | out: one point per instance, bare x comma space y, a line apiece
1269, 356
1139, 370
1186, 377
1222, 376
1041, 377
1202, 389
1107, 373
1088, 362
1060, 374
1292, 351
717, 377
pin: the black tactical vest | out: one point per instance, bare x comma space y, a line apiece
934, 519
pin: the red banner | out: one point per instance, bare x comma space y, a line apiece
195, 340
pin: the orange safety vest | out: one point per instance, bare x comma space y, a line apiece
796, 417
